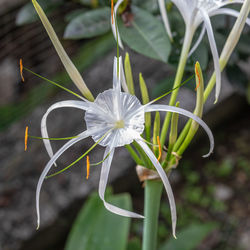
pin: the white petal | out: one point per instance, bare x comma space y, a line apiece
165, 18
103, 184
214, 52
113, 25
197, 43
165, 181
122, 75
230, 12
67, 145
63, 104
158, 107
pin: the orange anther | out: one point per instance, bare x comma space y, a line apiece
88, 166
159, 144
198, 75
112, 11
21, 69
26, 138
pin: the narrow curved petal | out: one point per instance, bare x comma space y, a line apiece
67, 145
103, 184
166, 108
63, 104
117, 36
122, 75
230, 12
165, 181
214, 52
197, 43
165, 18
69, 66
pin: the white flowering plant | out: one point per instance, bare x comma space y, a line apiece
116, 118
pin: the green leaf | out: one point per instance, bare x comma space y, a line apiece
73, 14
89, 24
27, 13
97, 228
146, 35
189, 238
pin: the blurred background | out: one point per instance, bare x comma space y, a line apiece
212, 191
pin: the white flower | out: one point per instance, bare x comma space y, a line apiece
194, 13
114, 119
117, 118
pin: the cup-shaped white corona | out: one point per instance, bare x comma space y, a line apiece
115, 118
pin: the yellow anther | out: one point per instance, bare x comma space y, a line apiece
26, 138
88, 167
159, 144
198, 76
21, 69
112, 11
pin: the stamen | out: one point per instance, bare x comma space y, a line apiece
52, 139
88, 166
159, 144
26, 138
21, 69
198, 76
112, 11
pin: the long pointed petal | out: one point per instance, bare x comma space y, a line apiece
165, 18
113, 25
122, 75
67, 145
214, 51
165, 181
69, 66
197, 43
72, 103
158, 107
230, 12
103, 184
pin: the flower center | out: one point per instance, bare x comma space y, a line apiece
119, 124
118, 115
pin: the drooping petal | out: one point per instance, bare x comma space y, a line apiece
158, 107
103, 184
230, 12
122, 75
67, 145
165, 18
113, 25
214, 51
165, 181
71, 104
197, 43
69, 66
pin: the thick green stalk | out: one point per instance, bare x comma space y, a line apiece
153, 190
179, 75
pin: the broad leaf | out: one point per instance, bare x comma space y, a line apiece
146, 35
189, 238
97, 228
89, 24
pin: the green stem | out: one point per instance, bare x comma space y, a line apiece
153, 190
179, 75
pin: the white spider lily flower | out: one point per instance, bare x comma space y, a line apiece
114, 119
194, 13
118, 118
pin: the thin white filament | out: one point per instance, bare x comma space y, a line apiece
214, 52
197, 43
103, 184
113, 25
158, 107
230, 12
165, 181
67, 145
63, 104
165, 18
